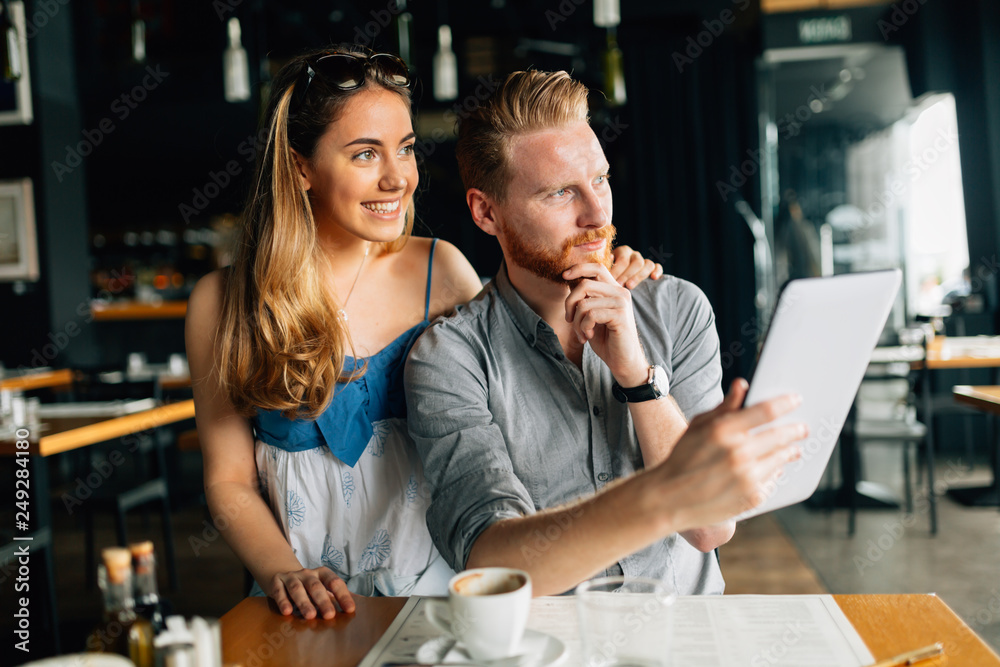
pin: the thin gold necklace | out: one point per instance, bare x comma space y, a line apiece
343, 310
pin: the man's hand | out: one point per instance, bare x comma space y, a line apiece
601, 312
719, 469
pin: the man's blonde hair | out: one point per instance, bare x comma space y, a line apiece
523, 102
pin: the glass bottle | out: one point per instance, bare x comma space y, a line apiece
121, 631
614, 71
147, 597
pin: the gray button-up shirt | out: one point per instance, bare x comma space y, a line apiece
506, 425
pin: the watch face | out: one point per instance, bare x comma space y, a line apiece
660, 382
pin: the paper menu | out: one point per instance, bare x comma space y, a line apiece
765, 631
709, 631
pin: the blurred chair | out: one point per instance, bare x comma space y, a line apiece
137, 484
885, 412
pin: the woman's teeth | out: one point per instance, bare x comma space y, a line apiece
382, 207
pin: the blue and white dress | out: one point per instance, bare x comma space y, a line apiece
348, 488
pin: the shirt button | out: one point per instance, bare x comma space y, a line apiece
603, 477
597, 411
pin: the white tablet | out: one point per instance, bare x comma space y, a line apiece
818, 345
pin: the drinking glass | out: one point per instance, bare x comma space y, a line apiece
625, 622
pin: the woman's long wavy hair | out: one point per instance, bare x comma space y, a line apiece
281, 340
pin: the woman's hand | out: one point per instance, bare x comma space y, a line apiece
309, 590
630, 268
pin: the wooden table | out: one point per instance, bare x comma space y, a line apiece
987, 399
941, 355
41, 380
254, 634
55, 436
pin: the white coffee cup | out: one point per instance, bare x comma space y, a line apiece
486, 611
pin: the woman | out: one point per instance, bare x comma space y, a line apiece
296, 350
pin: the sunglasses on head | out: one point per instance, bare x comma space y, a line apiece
347, 71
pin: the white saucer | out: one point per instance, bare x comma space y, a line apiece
546, 649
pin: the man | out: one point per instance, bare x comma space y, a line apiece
514, 403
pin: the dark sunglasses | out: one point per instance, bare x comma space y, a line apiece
347, 71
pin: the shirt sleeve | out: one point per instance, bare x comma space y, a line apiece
463, 451
696, 381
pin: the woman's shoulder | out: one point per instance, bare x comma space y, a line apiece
453, 280
209, 287
205, 302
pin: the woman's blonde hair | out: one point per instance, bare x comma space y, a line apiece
523, 102
282, 341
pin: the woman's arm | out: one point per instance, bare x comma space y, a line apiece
231, 489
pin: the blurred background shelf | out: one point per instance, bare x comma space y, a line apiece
136, 310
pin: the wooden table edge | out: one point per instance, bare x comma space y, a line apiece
858, 608
870, 615
58, 378
116, 427
980, 397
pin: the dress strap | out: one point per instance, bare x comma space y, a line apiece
430, 268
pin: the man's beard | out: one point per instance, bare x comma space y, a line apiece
551, 264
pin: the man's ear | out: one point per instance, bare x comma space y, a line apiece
302, 166
483, 210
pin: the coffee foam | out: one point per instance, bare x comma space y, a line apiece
482, 583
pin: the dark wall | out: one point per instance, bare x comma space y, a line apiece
689, 125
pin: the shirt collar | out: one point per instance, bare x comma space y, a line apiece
527, 321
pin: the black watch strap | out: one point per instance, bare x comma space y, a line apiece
656, 386
644, 392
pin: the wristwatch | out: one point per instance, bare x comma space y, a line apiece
657, 386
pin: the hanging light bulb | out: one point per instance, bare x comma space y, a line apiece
404, 31
235, 65
138, 35
445, 68
139, 40
12, 50
607, 13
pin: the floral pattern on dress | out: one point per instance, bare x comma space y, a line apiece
332, 557
295, 508
380, 431
411, 490
348, 487
376, 552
